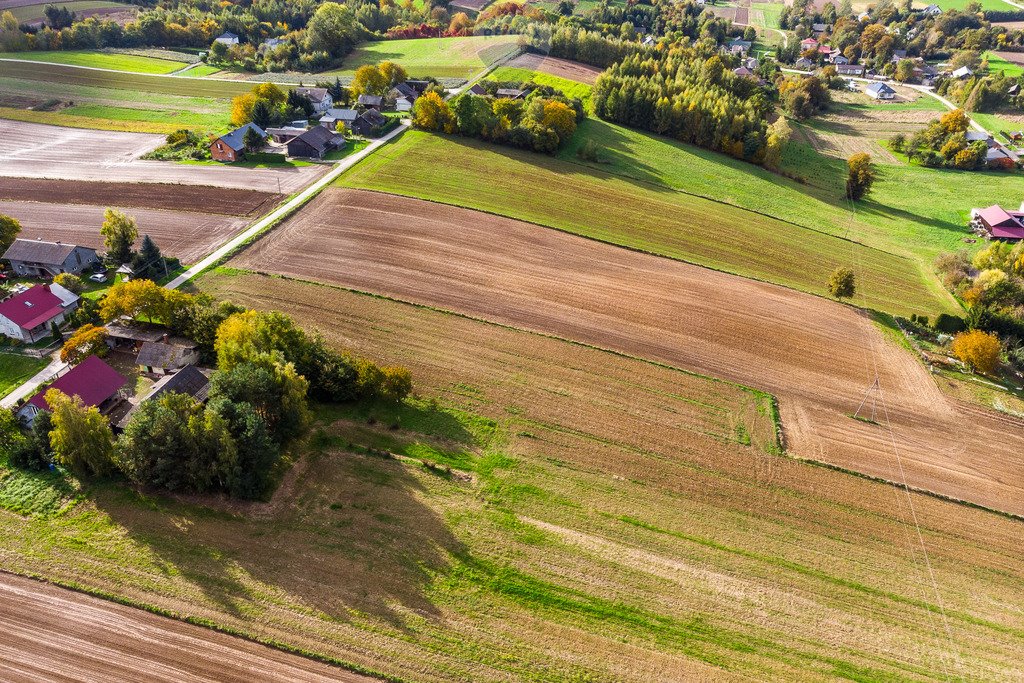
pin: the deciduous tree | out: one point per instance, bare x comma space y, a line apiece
87, 340
978, 349
842, 284
860, 177
81, 437
70, 282
134, 299
119, 232
10, 228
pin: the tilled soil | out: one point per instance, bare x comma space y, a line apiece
563, 68
52, 634
185, 235
198, 198
818, 357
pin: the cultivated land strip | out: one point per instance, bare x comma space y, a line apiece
804, 349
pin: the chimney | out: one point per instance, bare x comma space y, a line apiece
166, 338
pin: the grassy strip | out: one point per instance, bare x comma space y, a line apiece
100, 60
15, 368
71, 121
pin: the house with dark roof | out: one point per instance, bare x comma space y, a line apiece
92, 380
369, 123
404, 96
510, 93
738, 46
477, 89
285, 133
231, 147
333, 117
38, 258
127, 334
998, 222
29, 316
849, 69
190, 380
167, 356
804, 64
839, 59
418, 85
880, 91
320, 97
371, 101
315, 143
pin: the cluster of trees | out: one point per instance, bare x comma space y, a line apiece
267, 368
943, 143
690, 95
120, 232
983, 93
541, 121
803, 97
268, 105
580, 45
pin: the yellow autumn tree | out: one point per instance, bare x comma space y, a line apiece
978, 349
955, 121
368, 80
241, 109
87, 340
431, 112
134, 299
559, 117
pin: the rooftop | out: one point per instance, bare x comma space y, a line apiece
92, 380
39, 251
36, 305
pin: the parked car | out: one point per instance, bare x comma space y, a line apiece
98, 277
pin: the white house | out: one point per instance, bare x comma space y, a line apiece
227, 38
880, 91
321, 99
28, 316
932, 11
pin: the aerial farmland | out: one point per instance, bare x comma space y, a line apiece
499, 341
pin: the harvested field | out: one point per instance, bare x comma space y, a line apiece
818, 357
31, 150
563, 68
56, 634
198, 198
187, 235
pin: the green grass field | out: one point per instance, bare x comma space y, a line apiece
15, 369
36, 12
104, 60
995, 123
640, 213
570, 88
459, 58
997, 64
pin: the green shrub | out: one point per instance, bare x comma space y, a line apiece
949, 324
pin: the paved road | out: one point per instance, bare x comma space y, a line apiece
53, 634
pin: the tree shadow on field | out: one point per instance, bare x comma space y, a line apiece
346, 534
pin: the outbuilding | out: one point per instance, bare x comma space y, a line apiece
315, 143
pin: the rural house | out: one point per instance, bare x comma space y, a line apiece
880, 91
371, 101
319, 97
932, 11
962, 73
510, 93
92, 380
738, 47
477, 89
286, 133
190, 380
167, 356
36, 258
839, 59
272, 43
331, 119
315, 143
849, 69
231, 147
369, 123
804, 64
808, 44
29, 316
999, 223
227, 38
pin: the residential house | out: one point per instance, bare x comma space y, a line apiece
932, 11
648, 40
227, 38
863, 16
92, 380
979, 136
273, 43
839, 59
850, 70
189, 380
39, 258
826, 51
897, 55
231, 147
738, 47
510, 93
319, 97
804, 64
371, 101
477, 89
369, 123
751, 63
404, 96
962, 73
167, 356
998, 156
29, 315
744, 72
315, 143
880, 91
333, 117
808, 44
998, 222
418, 85
818, 29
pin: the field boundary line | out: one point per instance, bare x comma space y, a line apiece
203, 622
637, 250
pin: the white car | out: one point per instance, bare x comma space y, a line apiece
98, 277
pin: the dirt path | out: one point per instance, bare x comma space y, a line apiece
52, 634
818, 357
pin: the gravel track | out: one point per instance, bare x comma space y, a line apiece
816, 356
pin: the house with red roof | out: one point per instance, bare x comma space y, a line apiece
808, 44
999, 223
92, 380
29, 315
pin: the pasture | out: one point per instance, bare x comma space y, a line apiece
100, 60
456, 58
602, 503
640, 214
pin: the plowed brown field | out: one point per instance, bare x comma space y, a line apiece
818, 357
51, 634
563, 68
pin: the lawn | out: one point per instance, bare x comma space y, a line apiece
459, 58
642, 212
633, 514
15, 369
568, 87
97, 59
28, 13
996, 124
770, 11
997, 64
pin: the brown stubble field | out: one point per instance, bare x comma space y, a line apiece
817, 357
563, 68
646, 505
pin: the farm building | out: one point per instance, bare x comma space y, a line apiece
880, 91
404, 96
92, 380
369, 123
998, 222
29, 316
231, 147
477, 89
285, 133
131, 334
510, 93
271, 43
227, 38
849, 69
962, 72
371, 101
331, 119
38, 258
315, 143
167, 356
190, 380
321, 99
